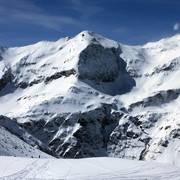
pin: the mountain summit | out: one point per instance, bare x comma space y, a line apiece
88, 96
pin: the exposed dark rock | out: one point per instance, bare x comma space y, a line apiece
36, 81
172, 66
23, 85
95, 56
89, 139
160, 98
125, 137
164, 143
58, 75
175, 133
6, 78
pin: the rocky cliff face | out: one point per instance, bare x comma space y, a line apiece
90, 96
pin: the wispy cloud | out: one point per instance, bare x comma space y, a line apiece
120, 30
176, 26
19, 11
86, 10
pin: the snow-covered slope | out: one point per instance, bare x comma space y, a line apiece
12, 145
90, 96
90, 168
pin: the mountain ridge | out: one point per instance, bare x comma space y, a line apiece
90, 96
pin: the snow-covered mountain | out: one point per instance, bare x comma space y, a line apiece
90, 96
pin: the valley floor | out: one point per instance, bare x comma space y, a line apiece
15, 168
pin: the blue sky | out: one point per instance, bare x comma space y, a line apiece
132, 22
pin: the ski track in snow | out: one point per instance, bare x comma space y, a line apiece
90, 168
33, 168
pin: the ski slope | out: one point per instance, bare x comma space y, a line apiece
14, 168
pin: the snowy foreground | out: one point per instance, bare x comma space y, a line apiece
90, 168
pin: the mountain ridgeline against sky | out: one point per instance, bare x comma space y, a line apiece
89, 96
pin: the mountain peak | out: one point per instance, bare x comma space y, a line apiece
87, 32
94, 38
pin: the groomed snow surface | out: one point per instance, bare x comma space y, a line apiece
14, 168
